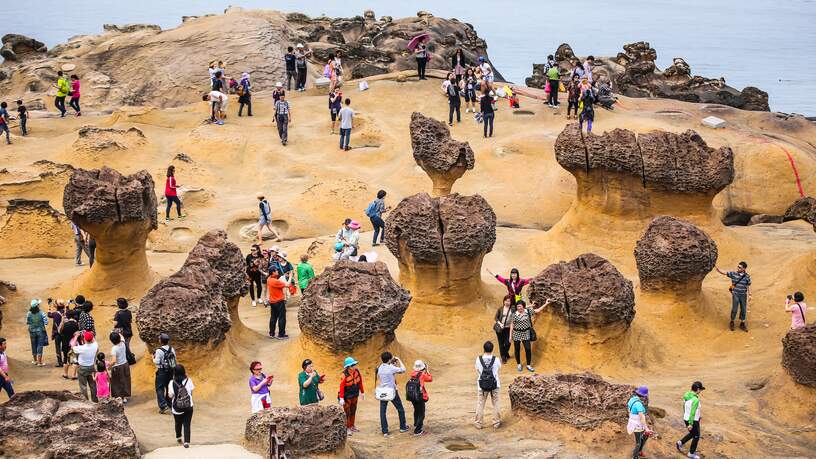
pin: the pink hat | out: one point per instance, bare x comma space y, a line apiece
354, 224
88, 336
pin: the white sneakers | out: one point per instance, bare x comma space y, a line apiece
254, 303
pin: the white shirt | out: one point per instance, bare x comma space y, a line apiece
346, 117
496, 366
487, 72
159, 354
86, 354
386, 374
218, 96
118, 351
188, 383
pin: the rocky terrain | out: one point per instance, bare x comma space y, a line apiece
305, 430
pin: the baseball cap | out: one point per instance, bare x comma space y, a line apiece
697, 385
306, 363
35, 302
88, 335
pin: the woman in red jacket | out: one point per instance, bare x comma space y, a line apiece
171, 194
351, 388
422, 375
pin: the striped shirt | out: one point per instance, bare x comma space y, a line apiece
741, 281
282, 107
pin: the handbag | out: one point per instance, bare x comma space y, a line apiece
320, 395
547, 87
533, 335
131, 357
561, 87
385, 394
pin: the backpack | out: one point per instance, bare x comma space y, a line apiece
413, 390
487, 381
182, 400
369, 211
168, 361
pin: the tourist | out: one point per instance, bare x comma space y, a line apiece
605, 97
487, 110
691, 417
305, 273
180, 392
470, 90
165, 360
301, 55
219, 105
90, 248
36, 321
502, 327
458, 64
119, 368
346, 125
309, 383
22, 115
588, 63
522, 332
68, 329
63, 88
56, 316
573, 95
265, 219
4, 122
244, 95
287, 273
217, 82
283, 116
421, 54
330, 72
253, 270
277, 305
417, 394
514, 284
86, 359
636, 407
171, 194
74, 102
259, 388
796, 306
335, 105
291, 69
351, 389
487, 383
587, 111
79, 240
101, 377
577, 70
85, 319
374, 212
740, 293
454, 92
122, 321
338, 65
349, 236
386, 390
554, 81
487, 71
211, 71
6, 383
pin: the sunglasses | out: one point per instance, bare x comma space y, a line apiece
257, 369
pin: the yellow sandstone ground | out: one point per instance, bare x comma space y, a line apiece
751, 407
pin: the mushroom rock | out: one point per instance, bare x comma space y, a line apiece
361, 296
444, 159
34, 229
584, 401
803, 209
63, 424
196, 305
305, 430
587, 291
118, 212
674, 254
440, 243
799, 355
17, 47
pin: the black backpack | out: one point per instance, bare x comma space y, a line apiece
182, 400
168, 361
487, 381
413, 390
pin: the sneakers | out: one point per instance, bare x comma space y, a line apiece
219, 122
519, 367
355, 429
405, 429
386, 435
186, 445
349, 432
743, 327
693, 456
731, 325
254, 303
419, 434
283, 337
530, 369
679, 446
164, 410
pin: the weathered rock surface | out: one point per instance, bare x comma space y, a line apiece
587, 291
674, 254
665, 161
799, 355
130, 28
634, 73
93, 138
104, 197
440, 243
39, 424
802, 209
34, 229
305, 430
18, 47
192, 304
444, 159
584, 401
5, 289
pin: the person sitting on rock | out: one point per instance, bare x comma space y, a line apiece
349, 236
605, 97
740, 293
514, 284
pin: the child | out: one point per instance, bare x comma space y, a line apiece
101, 377
22, 115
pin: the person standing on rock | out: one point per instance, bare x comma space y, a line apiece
487, 384
119, 368
300, 63
387, 390
587, 109
573, 95
459, 64
514, 285
577, 70
503, 318
470, 90
37, 321
290, 59
6, 383
180, 391
522, 332
691, 417
374, 212
305, 272
488, 112
277, 305
588, 63
554, 79
86, 359
74, 102
421, 54
244, 95
259, 388
795, 305
346, 125
265, 218
86, 320
90, 249
165, 360
63, 88
417, 394
740, 293
253, 270
123, 322
454, 92
4, 122
351, 389
56, 312
309, 383
487, 71
171, 194
219, 105
79, 240
283, 116
22, 115
636, 407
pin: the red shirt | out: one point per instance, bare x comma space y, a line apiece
170, 186
424, 377
275, 288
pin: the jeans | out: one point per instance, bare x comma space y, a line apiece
301, 78
59, 102
80, 247
248, 103
421, 63
37, 342
570, 105
487, 118
553, 97
23, 121
291, 75
91, 251
74, 103
277, 314
163, 378
255, 285
184, 420
350, 408
283, 127
86, 382
57, 339
455, 105
504, 343
419, 415
400, 412
4, 127
517, 349
739, 300
693, 435
170, 201
345, 137
7, 386
379, 228
640, 443
481, 398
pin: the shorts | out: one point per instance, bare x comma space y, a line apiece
333, 114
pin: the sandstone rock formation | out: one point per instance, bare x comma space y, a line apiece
305, 430
584, 401
444, 160
5, 289
799, 355
587, 291
18, 47
674, 254
634, 73
440, 243
62, 424
349, 303
34, 229
197, 304
802, 209
91, 138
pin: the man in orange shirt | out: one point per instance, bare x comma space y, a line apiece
277, 305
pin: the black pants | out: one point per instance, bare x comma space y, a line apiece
291, 75
487, 118
517, 349
553, 98
419, 415
640, 443
170, 201
454, 106
379, 228
246, 100
255, 285
421, 63
504, 343
277, 314
59, 102
74, 103
58, 348
23, 121
163, 378
301, 78
693, 435
570, 105
184, 420
90, 250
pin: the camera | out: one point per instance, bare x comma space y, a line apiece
790, 297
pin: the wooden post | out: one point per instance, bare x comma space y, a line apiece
277, 450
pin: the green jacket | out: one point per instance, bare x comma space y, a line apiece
553, 73
63, 88
308, 395
691, 407
305, 273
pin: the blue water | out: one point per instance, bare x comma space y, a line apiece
767, 44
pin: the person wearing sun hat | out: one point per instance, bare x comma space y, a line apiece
636, 407
420, 375
86, 359
351, 389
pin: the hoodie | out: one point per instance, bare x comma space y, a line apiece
691, 407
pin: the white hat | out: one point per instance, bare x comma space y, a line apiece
299, 45
282, 254
278, 84
419, 365
275, 249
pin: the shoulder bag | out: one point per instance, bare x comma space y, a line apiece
533, 335
382, 393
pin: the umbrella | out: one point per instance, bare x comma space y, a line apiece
417, 40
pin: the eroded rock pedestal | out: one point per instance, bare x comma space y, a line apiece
440, 243
674, 255
63, 424
444, 159
305, 430
799, 354
351, 302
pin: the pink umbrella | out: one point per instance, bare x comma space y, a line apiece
417, 40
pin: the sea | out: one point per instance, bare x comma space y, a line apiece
767, 44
